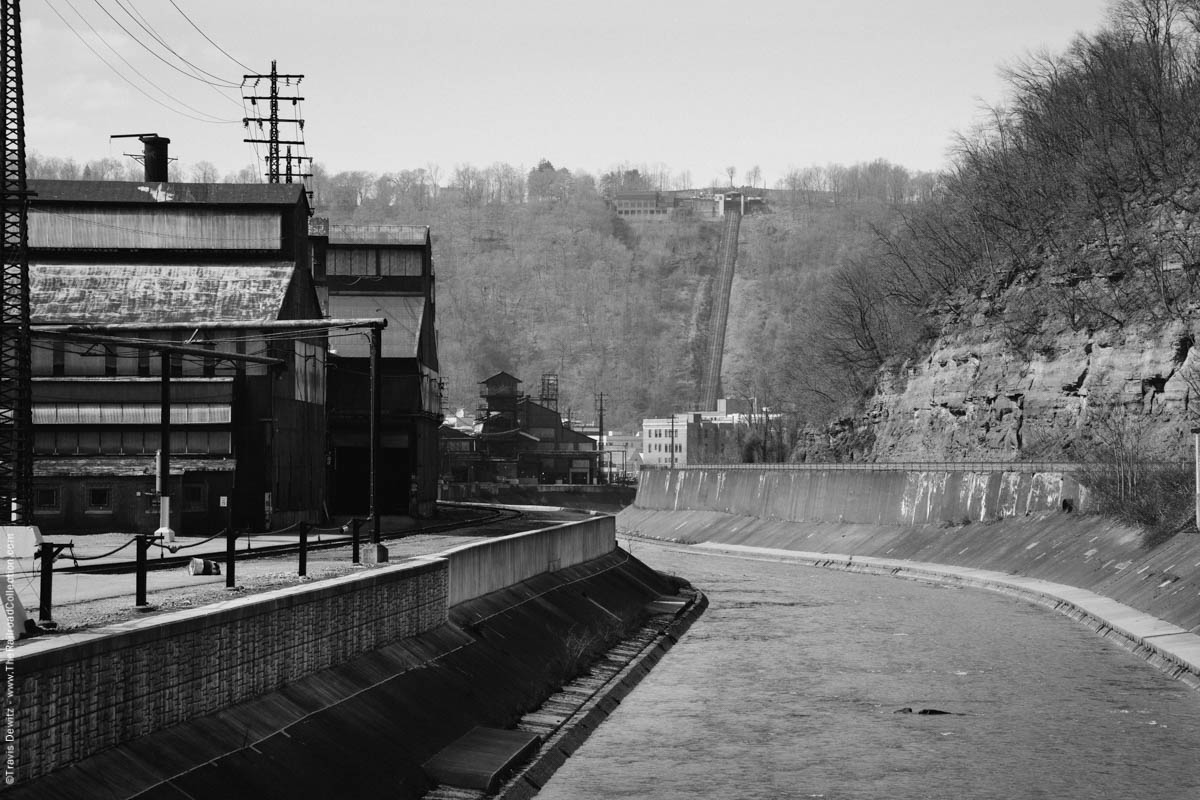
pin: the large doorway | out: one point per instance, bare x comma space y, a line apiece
352, 480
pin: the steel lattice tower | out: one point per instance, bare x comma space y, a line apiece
273, 119
16, 406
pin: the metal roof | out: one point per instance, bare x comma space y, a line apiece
109, 293
401, 337
139, 192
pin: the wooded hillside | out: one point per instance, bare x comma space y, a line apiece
1067, 222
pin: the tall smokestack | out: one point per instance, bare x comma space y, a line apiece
154, 157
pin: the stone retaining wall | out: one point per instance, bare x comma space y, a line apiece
76, 694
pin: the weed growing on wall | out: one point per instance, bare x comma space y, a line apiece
1125, 482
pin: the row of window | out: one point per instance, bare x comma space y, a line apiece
665, 448
99, 498
375, 261
48, 499
129, 442
58, 360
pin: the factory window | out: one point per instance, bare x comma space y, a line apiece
47, 500
98, 498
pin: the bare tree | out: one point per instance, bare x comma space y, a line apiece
754, 176
205, 172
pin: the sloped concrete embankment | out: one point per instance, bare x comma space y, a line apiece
1079, 551
360, 727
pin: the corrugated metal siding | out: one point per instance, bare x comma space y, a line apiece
155, 227
103, 293
141, 192
402, 334
130, 414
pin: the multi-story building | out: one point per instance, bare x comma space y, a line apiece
522, 441
644, 206
694, 437
209, 267
381, 271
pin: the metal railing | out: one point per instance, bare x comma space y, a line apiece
918, 466
893, 466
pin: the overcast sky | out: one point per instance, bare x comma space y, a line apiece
696, 85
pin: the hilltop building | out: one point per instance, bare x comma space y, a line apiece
651, 206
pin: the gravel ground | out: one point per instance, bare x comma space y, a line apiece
83, 601
87, 601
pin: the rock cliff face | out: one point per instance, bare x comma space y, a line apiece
984, 393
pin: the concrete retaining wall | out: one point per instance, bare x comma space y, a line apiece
76, 694
875, 496
484, 567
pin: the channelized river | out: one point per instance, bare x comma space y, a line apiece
788, 687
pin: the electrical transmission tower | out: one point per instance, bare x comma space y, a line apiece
273, 121
16, 368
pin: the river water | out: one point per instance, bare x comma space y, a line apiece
787, 687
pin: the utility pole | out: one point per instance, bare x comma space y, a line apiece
600, 432
272, 119
16, 360
672, 440
376, 431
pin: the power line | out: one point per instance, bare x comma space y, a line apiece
210, 41
138, 18
214, 120
273, 119
148, 49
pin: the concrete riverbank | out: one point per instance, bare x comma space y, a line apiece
1084, 565
342, 688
